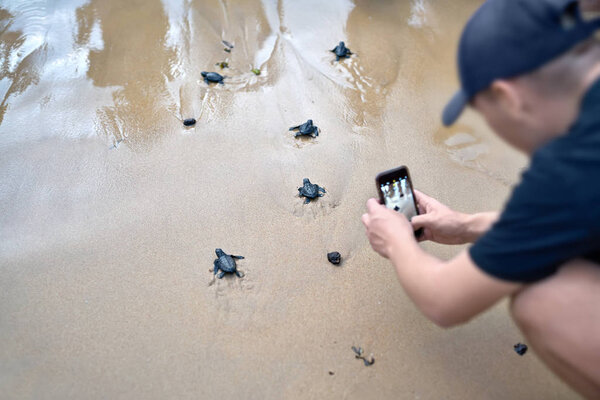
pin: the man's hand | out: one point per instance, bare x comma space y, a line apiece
448, 293
385, 228
443, 225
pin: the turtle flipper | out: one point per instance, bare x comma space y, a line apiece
238, 274
306, 201
221, 275
238, 257
322, 189
321, 195
215, 267
337, 58
295, 127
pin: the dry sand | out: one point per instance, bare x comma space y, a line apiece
110, 209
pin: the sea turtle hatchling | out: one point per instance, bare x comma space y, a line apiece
310, 190
306, 129
226, 264
212, 77
341, 51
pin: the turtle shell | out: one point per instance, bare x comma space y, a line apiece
310, 190
227, 263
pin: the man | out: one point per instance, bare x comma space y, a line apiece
532, 69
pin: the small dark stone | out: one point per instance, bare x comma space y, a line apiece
520, 348
396, 208
358, 351
227, 50
226, 43
331, 373
189, 122
334, 257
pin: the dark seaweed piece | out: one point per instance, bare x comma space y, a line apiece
358, 353
334, 257
223, 64
256, 71
226, 43
368, 360
520, 348
189, 122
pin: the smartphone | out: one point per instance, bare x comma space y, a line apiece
395, 191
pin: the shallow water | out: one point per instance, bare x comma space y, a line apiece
111, 209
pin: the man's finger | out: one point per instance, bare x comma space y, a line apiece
372, 205
420, 221
426, 235
365, 220
422, 198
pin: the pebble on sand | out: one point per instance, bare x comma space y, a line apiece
520, 348
189, 121
334, 257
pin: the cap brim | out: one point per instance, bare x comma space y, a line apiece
454, 108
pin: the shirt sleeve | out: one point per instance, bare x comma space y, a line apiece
540, 228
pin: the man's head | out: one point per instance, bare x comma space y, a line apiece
533, 108
524, 64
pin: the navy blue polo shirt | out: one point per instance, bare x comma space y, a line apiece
553, 214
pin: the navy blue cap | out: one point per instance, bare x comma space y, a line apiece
507, 38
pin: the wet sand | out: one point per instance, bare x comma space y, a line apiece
111, 209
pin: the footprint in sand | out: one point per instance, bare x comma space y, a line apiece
316, 208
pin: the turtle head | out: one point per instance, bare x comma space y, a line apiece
219, 252
342, 44
204, 73
305, 181
309, 122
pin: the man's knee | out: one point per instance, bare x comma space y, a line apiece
538, 304
527, 306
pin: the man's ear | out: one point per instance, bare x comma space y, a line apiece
507, 97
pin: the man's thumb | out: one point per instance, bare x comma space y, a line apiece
420, 221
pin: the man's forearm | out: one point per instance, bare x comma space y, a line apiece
448, 293
415, 268
475, 225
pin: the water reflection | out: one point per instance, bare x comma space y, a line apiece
129, 72
45, 60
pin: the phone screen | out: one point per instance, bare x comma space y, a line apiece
398, 195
